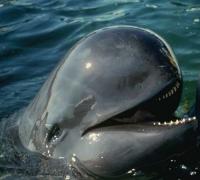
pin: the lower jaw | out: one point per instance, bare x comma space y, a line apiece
179, 137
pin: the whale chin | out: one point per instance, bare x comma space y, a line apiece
112, 150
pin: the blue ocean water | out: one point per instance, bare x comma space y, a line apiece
35, 35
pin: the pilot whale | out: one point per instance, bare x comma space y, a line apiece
108, 107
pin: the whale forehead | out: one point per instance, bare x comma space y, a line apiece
116, 66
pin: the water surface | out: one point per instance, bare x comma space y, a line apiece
35, 35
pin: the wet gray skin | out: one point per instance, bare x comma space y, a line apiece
108, 105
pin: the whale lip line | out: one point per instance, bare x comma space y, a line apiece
145, 124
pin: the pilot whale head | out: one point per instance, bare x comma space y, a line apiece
109, 104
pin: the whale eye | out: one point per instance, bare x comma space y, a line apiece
54, 133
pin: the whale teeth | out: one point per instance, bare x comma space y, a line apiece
177, 84
131, 171
183, 120
175, 88
170, 92
176, 122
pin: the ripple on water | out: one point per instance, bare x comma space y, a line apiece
35, 35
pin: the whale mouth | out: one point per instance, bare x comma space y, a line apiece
146, 115
114, 124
